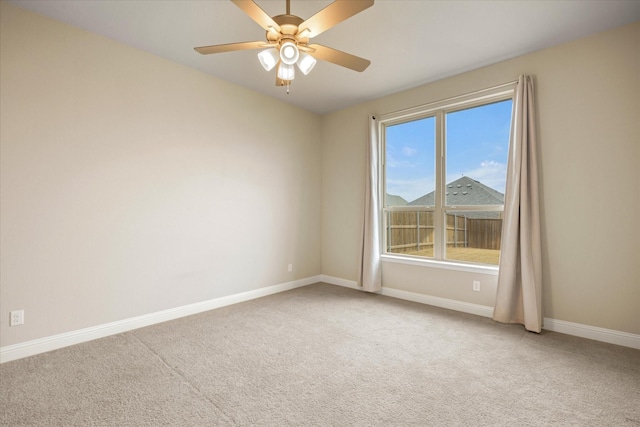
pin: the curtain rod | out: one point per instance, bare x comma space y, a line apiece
494, 87
453, 98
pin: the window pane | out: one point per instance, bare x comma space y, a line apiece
410, 233
471, 174
409, 163
474, 236
477, 141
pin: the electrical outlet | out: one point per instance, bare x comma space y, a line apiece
290, 268
17, 318
476, 285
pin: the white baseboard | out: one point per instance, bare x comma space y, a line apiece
42, 345
584, 331
465, 307
340, 282
610, 336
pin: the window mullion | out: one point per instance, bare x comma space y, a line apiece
440, 236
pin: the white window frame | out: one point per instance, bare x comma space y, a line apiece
438, 110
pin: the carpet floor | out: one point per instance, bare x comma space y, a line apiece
323, 355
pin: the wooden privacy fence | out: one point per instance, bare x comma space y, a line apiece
409, 231
485, 233
414, 231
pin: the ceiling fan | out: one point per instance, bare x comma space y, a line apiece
287, 40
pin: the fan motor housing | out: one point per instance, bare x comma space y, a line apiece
288, 27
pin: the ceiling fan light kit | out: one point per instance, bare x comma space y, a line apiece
306, 63
288, 39
269, 58
286, 72
289, 53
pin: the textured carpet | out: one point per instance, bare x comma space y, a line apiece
323, 355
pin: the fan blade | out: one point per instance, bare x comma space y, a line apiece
306, 49
332, 15
256, 13
339, 58
230, 47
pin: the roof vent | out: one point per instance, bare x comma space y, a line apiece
465, 193
455, 193
459, 185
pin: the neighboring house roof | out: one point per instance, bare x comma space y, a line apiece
393, 200
466, 191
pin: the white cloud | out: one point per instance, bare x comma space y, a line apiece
393, 162
410, 189
488, 172
408, 151
491, 173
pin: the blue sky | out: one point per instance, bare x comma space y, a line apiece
477, 147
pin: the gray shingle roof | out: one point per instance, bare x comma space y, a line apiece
393, 200
463, 191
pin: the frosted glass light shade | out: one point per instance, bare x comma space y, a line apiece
306, 63
289, 53
286, 72
268, 58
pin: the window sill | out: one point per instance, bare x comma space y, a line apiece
447, 265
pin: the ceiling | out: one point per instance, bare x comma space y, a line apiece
409, 42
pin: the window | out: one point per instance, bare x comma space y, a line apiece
444, 169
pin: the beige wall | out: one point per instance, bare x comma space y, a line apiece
130, 184
589, 126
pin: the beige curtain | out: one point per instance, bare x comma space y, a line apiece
519, 295
370, 272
